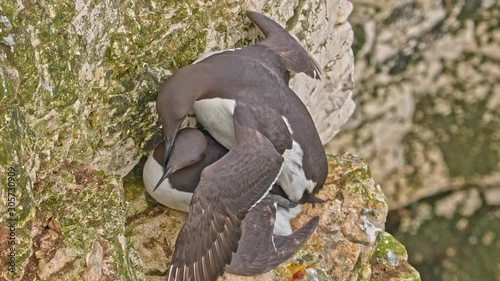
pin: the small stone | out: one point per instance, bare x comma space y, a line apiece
488, 238
492, 196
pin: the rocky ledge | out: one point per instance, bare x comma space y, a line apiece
349, 244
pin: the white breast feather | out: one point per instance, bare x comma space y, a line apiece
292, 178
283, 216
216, 115
165, 194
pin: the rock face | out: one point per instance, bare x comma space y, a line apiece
78, 82
427, 121
427, 92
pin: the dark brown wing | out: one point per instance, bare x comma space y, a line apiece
228, 189
259, 250
268, 122
286, 246
279, 40
256, 238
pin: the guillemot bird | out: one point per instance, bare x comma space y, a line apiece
252, 82
227, 191
193, 152
258, 249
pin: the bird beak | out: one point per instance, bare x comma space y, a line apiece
165, 175
169, 144
167, 171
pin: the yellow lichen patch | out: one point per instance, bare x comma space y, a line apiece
292, 272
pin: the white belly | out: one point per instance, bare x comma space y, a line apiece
282, 225
216, 115
292, 178
165, 194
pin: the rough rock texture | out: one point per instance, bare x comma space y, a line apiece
78, 82
428, 121
454, 235
349, 243
428, 95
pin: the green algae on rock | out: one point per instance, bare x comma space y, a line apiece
15, 147
389, 260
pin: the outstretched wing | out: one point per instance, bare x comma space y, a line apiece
279, 40
227, 190
259, 250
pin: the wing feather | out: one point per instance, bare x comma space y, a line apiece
288, 47
226, 192
259, 250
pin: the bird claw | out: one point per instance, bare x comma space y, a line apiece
280, 200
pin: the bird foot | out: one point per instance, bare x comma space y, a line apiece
281, 201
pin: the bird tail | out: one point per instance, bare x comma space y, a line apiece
259, 249
296, 58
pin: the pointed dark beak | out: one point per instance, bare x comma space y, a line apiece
165, 175
169, 144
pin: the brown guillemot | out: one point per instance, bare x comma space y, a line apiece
258, 249
227, 191
253, 81
242, 98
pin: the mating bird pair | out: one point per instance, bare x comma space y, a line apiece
244, 180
